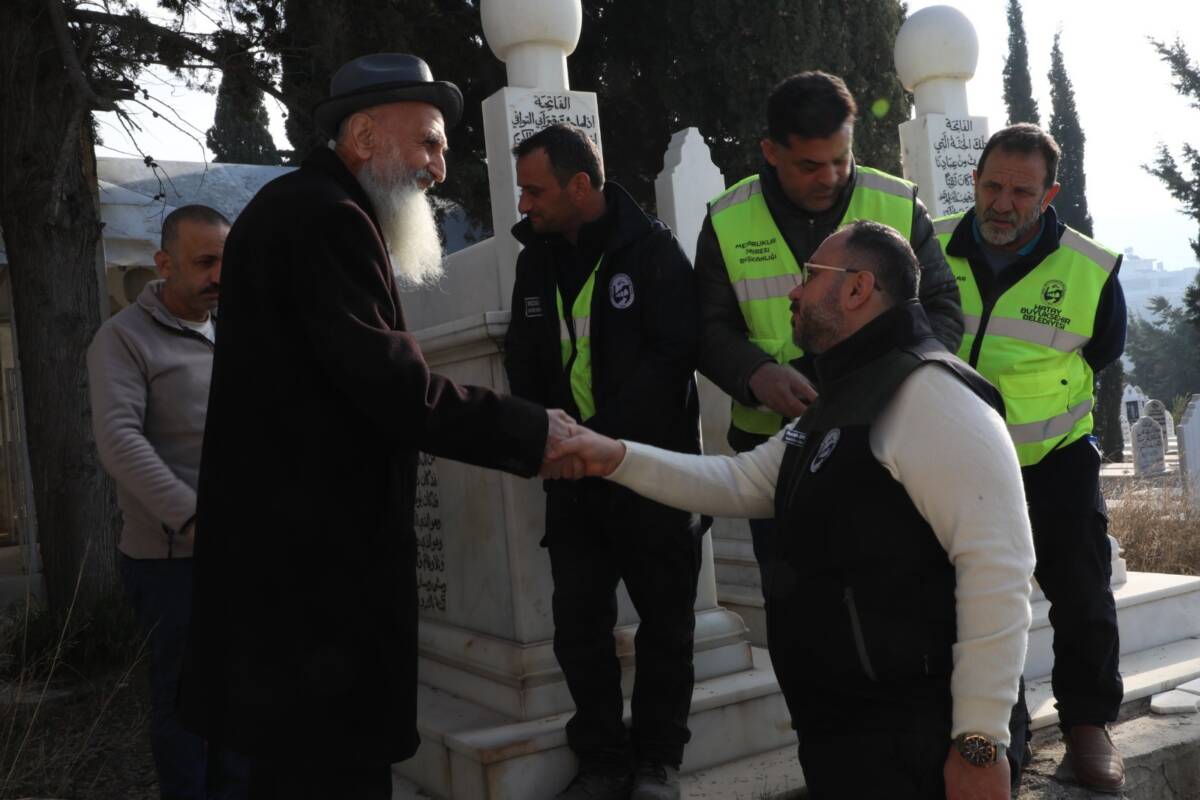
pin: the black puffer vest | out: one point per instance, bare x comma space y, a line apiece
861, 618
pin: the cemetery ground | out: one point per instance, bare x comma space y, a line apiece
74, 709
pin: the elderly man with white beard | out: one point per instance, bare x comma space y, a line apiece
303, 641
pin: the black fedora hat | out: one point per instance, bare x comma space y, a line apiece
385, 78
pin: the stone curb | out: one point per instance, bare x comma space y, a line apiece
1162, 761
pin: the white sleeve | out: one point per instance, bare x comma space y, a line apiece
721, 486
954, 457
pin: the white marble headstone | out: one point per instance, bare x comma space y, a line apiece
1149, 452
1133, 400
1156, 411
1188, 439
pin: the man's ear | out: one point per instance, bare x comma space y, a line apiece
768, 150
1050, 194
360, 136
860, 288
578, 187
162, 262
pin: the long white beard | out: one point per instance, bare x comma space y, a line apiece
406, 218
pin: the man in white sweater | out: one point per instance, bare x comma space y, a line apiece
899, 611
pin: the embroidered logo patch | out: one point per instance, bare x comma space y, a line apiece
533, 307
794, 438
826, 449
1054, 292
620, 291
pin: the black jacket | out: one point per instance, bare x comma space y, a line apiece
728, 357
643, 346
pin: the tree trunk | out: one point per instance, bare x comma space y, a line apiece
51, 229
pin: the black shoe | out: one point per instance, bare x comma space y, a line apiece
655, 781
597, 784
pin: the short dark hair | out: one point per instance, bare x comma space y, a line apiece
192, 213
809, 105
1025, 137
570, 152
884, 252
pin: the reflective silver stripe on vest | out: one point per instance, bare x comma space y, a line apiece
765, 288
970, 324
945, 225
583, 328
738, 195
1035, 333
883, 183
1052, 428
1089, 249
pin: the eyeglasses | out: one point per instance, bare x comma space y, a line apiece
807, 267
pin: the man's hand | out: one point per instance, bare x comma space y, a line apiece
560, 427
782, 389
967, 782
586, 454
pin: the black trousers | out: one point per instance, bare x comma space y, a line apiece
875, 764
310, 779
588, 557
1074, 570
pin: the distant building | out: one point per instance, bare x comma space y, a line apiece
1144, 278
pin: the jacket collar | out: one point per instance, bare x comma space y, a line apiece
783, 209
963, 244
329, 163
623, 223
150, 301
898, 327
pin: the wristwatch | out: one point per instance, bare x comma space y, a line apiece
979, 750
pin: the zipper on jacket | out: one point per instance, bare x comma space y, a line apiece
977, 345
859, 642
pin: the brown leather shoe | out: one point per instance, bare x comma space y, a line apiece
1094, 758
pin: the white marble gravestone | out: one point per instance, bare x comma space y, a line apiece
936, 53
1149, 450
1156, 411
1133, 400
1187, 436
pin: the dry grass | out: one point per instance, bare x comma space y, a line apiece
1157, 529
73, 705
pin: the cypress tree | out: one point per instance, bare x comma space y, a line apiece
1110, 383
241, 128
1018, 89
1071, 203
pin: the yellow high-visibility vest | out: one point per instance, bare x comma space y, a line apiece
1029, 342
763, 269
577, 346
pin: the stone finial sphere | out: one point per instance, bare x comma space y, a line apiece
508, 23
936, 42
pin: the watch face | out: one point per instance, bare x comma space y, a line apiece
978, 750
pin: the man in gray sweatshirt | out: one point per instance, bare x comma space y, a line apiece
149, 368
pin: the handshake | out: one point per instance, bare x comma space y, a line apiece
573, 451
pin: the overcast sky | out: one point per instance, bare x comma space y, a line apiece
1123, 94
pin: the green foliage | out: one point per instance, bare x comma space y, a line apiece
1018, 89
1183, 182
659, 68
241, 128
1110, 385
1071, 203
1164, 351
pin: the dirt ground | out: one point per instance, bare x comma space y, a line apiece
87, 740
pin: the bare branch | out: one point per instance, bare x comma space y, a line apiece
185, 43
66, 49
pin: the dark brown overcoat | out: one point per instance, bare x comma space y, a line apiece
304, 633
